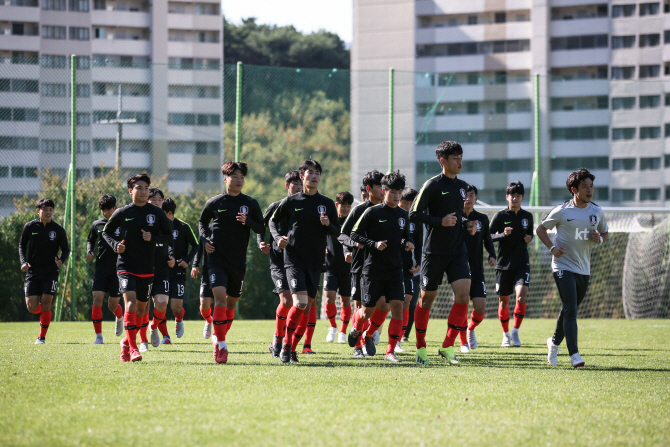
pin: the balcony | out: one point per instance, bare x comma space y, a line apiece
126, 46
127, 18
578, 118
568, 58
195, 22
20, 43
19, 14
561, 28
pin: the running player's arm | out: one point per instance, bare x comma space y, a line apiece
407, 236
92, 238
496, 229
165, 230
280, 213
193, 242
260, 237
255, 218
529, 229
333, 227
360, 229
488, 242
23, 244
603, 228
205, 218
348, 226
550, 221
64, 246
112, 224
418, 212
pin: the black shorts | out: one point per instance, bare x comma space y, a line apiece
41, 285
161, 286
507, 280
231, 279
300, 280
477, 286
106, 283
141, 285
355, 286
177, 286
373, 289
433, 268
408, 281
338, 282
279, 280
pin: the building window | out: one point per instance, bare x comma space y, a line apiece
666, 160
623, 133
19, 143
498, 165
580, 103
54, 146
623, 10
619, 73
650, 102
50, 61
54, 90
473, 108
100, 4
649, 9
623, 195
647, 133
53, 32
472, 20
206, 175
79, 33
54, 5
18, 114
579, 133
466, 48
19, 85
623, 42
579, 42
569, 163
500, 17
79, 5
627, 102
650, 40
475, 136
667, 131
623, 164
650, 71
650, 194
650, 163
54, 118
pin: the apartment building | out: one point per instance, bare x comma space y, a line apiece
604, 92
162, 57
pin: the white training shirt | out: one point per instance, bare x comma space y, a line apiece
573, 232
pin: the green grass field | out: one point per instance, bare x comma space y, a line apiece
69, 392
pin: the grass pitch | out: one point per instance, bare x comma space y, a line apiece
69, 392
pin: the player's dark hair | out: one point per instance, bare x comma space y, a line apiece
344, 198
231, 166
474, 188
137, 178
515, 188
153, 192
169, 205
307, 164
409, 194
576, 177
292, 177
394, 180
363, 188
45, 203
447, 148
373, 178
106, 202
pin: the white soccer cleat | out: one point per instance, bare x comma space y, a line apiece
179, 328
214, 340
144, 346
552, 355
506, 341
577, 360
332, 333
398, 348
155, 338
98, 339
166, 340
376, 337
40, 341
118, 327
207, 330
472, 340
516, 342
341, 337
465, 349
365, 351
223, 345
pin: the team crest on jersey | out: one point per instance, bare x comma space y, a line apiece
294, 283
401, 222
479, 226
593, 219
151, 219
278, 283
244, 209
411, 227
52, 235
123, 283
322, 209
463, 193
175, 233
524, 223
117, 232
367, 297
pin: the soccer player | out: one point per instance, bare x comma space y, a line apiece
439, 206
293, 186
365, 195
38, 252
143, 225
183, 237
411, 267
512, 228
232, 215
337, 268
311, 217
373, 185
475, 244
580, 224
105, 279
384, 230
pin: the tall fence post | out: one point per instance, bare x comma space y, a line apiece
535, 185
238, 112
63, 273
73, 197
391, 110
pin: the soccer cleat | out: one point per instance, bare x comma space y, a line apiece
341, 337
552, 356
506, 342
376, 337
207, 330
370, 345
422, 356
155, 338
40, 341
398, 348
577, 360
125, 352
221, 352
472, 340
179, 328
275, 346
285, 355
516, 342
144, 347
294, 357
214, 340
448, 353
118, 327
98, 339
353, 337
135, 356
166, 340
392, 358
405, 339
364, 351
307, 350
465, 349
358, 353
332, 332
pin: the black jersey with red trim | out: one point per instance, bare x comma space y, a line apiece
476, 243
276, 254
39, 245
105, 261
183, 236
358, 254
512, 249
335, 258
230, 237
307, 237
138, 258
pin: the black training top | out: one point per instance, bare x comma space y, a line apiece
162, 255
383, 223
306, 236
345, 237
39, 247
476, 244
335, 258
438, 197
183, 237
409, 258
513, 250
105, 263
201, 254
138, 258
276, 254
230, 237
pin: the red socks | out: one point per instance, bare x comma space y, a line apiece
503, 315
160, 322
231, 317
395, 332
300, 330
376, 320
464, 337
293, 318
331, 313
280, 322
458, 320
219, 319
130, 325
96, 316
311, 326
421, 316
519, 313
345, 316
45, 319
39, 309
118, 313
179, 316
475, 319
142, 326
358, 323
405, 320
206, 314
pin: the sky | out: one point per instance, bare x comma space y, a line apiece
306, 16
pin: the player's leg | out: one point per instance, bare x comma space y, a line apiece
298, 287
113, 304
283, 308
128, 287
432, 271
45, 313
220, 320
177, 289
570, 288
382, 309
206, 298
406, 303
96, 315
519, 312
161, 297
309, 317
345, 317
234, 292
416, 291
504, 288
458, 318
329, 297
476, 317
396, 302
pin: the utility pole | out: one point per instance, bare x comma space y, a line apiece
119, 128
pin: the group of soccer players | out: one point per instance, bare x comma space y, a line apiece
377, 255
